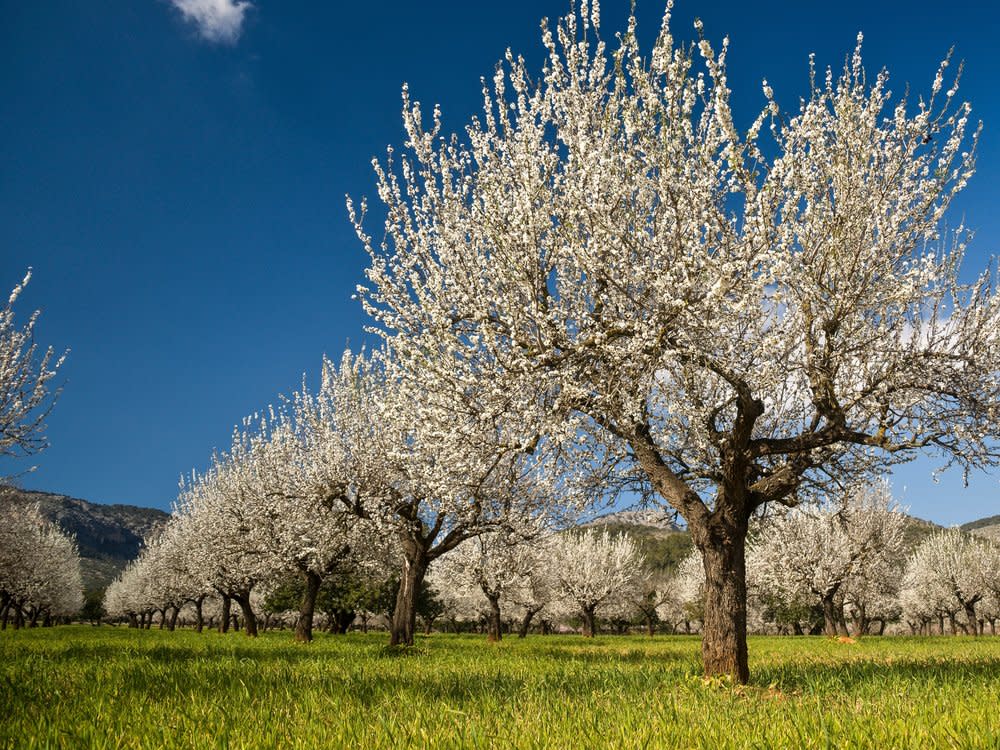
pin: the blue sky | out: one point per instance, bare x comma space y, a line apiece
175, 172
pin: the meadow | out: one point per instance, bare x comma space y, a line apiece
87, 687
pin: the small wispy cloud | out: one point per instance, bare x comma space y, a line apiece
218, 21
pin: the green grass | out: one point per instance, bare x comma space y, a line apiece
84, 687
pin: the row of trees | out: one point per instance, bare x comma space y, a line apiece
849, 570
362, 475
842, 568
39, 569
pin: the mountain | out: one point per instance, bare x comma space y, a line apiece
988, 527
108, 536
660, 539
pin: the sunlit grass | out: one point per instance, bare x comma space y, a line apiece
115, 688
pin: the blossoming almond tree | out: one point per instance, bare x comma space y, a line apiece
494, 566
809, 556
39, 567
403, 464
734, 315
949, 571
595, 571
26, 374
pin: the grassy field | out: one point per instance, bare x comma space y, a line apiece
85, 687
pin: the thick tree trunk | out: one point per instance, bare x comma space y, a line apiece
589, 622
522, 630
650, 625
227, 606
199, 618
970, 616
249, 618
830, 620
494, 629
724, 627
173, 618
304, 625
404, 616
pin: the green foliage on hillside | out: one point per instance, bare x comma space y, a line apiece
662, 548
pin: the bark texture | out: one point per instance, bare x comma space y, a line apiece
724, 628
404, 616
304, 625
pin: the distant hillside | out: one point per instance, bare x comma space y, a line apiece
988, 527
981, 523
662, 542
108, 536
917, 530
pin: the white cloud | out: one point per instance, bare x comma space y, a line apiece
217, 20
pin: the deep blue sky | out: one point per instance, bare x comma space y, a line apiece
182, 200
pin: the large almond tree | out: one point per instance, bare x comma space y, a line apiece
736, 315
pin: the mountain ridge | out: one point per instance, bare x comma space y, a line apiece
108, 536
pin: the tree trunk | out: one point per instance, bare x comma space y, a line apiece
650, 625
589, 622
833, 616
173, 618
227, 606
199, 619
724, 626
404, 616
342, 619
522, 630
304, 625
970, 615
494, 629
249, 618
